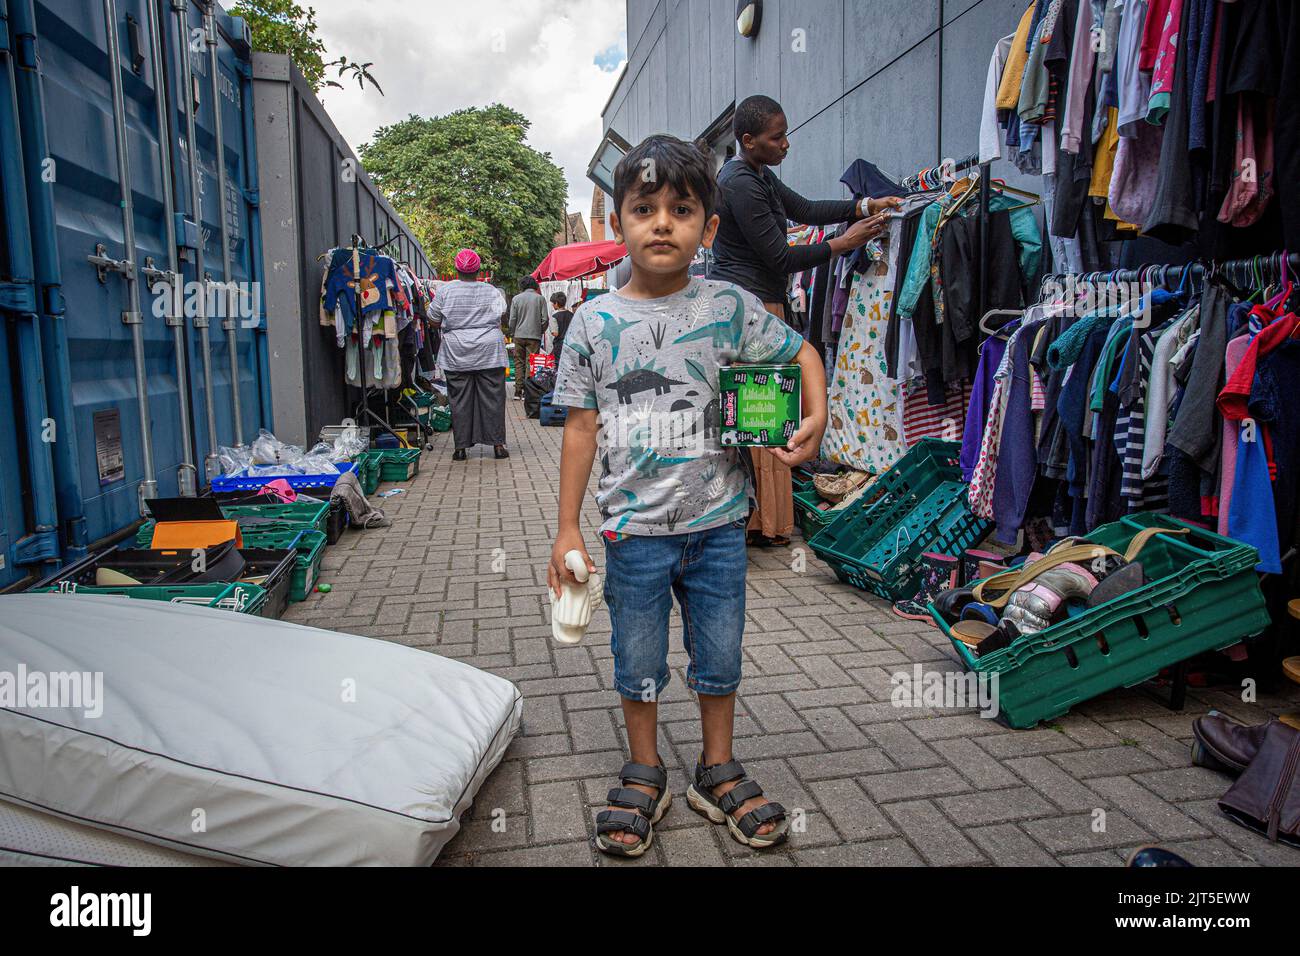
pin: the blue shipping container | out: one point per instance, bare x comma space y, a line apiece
112, 387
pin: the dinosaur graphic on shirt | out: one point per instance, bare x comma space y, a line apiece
640, 380
731, 507
583, 353
723, 334
611, 331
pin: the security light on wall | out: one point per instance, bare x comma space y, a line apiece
749, 17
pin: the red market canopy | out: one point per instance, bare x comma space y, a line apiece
581, 260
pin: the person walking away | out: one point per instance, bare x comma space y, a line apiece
468, 314
752, 251
527, 322
560, 319
639, 374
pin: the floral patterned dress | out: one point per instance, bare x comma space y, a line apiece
865, 431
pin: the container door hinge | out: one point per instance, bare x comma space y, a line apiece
53, 301
131, 318
104, 263
253, 197
26, 52
37, 548
17, 297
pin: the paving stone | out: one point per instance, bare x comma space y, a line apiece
558, 813
1054, 783
1150, 812
1007, 845
846, 763
974, 764
876, 853
996, 806
927, 829
850, 811
870, 783
1080, 831
914, 784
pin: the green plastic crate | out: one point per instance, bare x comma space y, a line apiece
310, 546
368, 473
244, 598
811, 518
301, 515
1203, 594
440, 419
920, 505
295, 517
396, 464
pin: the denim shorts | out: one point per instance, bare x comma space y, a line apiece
706, 571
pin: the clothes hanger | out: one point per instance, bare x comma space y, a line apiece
1001, 187
997, 331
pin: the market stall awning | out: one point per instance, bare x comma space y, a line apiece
579, 261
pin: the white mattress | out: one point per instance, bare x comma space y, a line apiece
244, 739
31, 838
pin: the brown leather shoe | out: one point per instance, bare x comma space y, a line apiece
1222, 744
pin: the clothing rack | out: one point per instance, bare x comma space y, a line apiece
363, 410
1241, 270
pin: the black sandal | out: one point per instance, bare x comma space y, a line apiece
639, 811
720, 809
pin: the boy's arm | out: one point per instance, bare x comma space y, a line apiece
577, 455
807, 441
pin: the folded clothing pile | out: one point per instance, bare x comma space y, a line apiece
1073, 577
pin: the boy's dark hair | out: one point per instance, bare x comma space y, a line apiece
560, 299
666, 161
753, 115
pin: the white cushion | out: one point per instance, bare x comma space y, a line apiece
246, 739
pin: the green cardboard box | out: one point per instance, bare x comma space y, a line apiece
760, 405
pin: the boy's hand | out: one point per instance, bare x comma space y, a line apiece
804, 446
558, 573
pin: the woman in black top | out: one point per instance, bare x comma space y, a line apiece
751, 250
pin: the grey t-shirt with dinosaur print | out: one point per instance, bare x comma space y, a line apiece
651, 369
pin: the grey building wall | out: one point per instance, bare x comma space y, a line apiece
896, 82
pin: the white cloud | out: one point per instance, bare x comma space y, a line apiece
436, 56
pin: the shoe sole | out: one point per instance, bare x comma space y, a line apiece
632, 852
702, 806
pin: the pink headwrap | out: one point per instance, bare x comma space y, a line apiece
467, 260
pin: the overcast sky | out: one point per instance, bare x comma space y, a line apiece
556, 61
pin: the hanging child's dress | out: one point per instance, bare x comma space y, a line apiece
865, 430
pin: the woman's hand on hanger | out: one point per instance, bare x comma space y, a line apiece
870, 207
859, 234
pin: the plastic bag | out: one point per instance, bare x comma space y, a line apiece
234, 461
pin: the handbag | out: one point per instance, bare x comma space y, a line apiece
1266, 798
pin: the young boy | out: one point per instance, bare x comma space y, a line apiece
639, 373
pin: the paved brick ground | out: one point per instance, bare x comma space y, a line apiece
877, 784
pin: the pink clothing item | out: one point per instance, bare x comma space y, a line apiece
467, 260
1231, 431
1152, 32
1162, 74
280, 488
1252, 173
1134, 180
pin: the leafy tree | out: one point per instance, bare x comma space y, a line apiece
470, 179
281, 26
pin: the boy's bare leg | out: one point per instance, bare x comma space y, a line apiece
717, 720
642, 719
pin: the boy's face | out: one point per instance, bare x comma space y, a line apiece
663, 231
